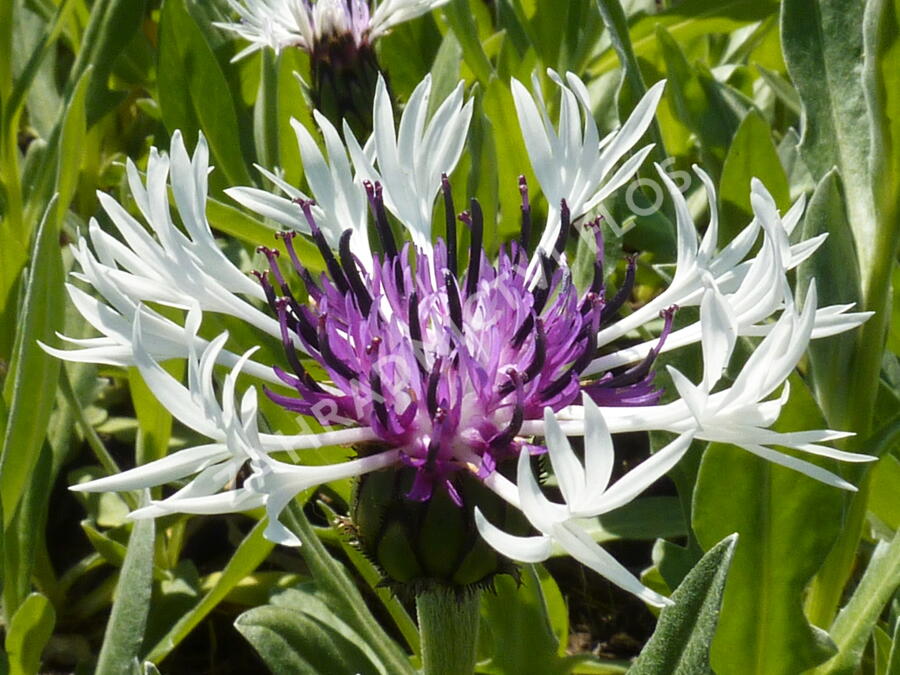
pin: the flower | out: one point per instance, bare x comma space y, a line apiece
443, 368
339, 36
587, 494
309, 24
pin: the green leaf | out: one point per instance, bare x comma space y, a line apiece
751, 154
698, 102
680, 644
644, 518
787, 523
853, 626
517, 615
296, 642
30, 389
783, 89
112, 25
822, 42
460, 19
631, 87
836, 273
246, 558
125, 628
28, 632
194, 94
688, 20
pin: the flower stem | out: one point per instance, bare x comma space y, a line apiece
448, 625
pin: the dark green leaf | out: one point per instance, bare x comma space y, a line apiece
297, 642
751, 154
680, 644
125, 628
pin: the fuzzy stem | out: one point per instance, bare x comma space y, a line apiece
448, 625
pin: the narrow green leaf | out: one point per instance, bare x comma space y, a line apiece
893, 665
71, 144
294, 642
462, 22
680, 644
836, 273
28, 633
783, 89
853, 626
193, 92
787, 523
125, 628
751, 154
112, 25
246, 558
631, 87
31, 386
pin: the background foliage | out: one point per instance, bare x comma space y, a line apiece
804, 94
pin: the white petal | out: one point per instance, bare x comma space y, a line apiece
523, 549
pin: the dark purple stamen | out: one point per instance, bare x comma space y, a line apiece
328, 356
334, 268
289, 349
540, 352
505, 437
523, 332
565, 226
415, 331
614, 305
453, 301
378, 403
263, 278
348, 263
525, 234
477, 225
311, 286
433, 379
382, 226
450, 232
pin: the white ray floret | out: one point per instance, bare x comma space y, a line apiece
754, 289
741, 413
572, 162
586, 493
340, 201
410, 161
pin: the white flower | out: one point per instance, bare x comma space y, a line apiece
741, 413
573, 163
278, 24
587, 494
412, 160
753, 289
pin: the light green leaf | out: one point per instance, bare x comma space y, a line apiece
28, 633
751, 154
518, 615
194, 94
125, 628
30, 389
787, 523
822, 44
246, 558
460, 19
680, 644
853, 626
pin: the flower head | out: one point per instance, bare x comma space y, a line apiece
443, 366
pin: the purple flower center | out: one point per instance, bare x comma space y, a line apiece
446, 366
